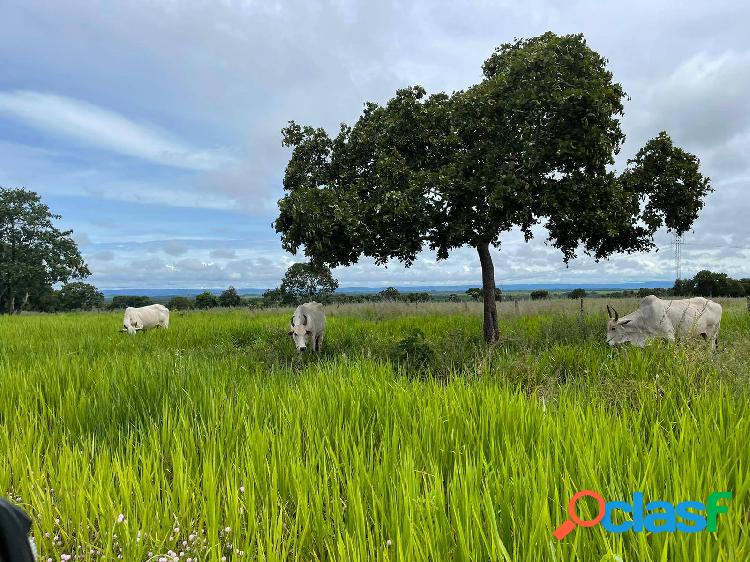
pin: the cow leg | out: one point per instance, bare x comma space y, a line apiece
319, 341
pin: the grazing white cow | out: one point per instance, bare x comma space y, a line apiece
145, 317
308, 324
669, 319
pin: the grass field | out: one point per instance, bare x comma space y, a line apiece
213, 439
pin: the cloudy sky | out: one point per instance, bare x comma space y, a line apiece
153, 127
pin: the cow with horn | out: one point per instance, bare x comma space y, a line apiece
666, 319
308, 326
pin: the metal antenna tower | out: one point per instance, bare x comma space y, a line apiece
677, 248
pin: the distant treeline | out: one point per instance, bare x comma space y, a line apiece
84, 296
704, 284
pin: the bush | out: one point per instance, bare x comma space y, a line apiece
475, 293
414, 350
124, 301
577, 294
179, 303
539, 295
417, 297
80, 296
389, 294
206, 300
230, 297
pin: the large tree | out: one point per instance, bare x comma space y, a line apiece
308, 281
532, 143
34, 253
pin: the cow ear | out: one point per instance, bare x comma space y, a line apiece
304, 319
291, 333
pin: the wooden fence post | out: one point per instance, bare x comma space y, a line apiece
748, 303
515, 303
581, 307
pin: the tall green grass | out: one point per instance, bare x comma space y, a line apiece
215, 439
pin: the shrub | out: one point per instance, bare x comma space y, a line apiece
179, 303
389, 294
206, 300
230, 297
414, 350
80, 296
124, 301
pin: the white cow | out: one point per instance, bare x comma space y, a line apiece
669, 319
145, 317
308, 324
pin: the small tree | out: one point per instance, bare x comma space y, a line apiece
34, 253
308, 281
206, 300
539, 295
389, 294
230, 298
577, 294
80, 296
179, 303
498, 295
124, 301
454, 298
532, 143
475, 293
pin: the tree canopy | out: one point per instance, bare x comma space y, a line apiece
80, 296
710, 284
230, 297
34, 253
308, 281
124, 301
206, 299
532, 143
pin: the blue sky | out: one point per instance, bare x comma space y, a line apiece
154, 127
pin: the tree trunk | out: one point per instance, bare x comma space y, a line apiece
491, 333
11, 303
23, 303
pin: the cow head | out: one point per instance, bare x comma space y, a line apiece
299, 332
129, 324
622, 331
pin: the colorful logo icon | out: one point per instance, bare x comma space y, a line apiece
654, 517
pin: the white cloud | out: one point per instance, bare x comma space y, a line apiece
703, 101
104, 129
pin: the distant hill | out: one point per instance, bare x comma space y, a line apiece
253, 291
